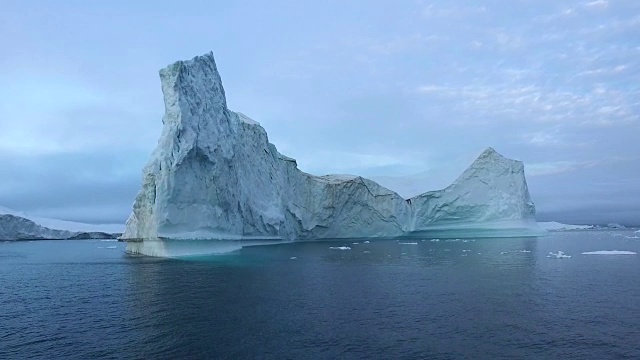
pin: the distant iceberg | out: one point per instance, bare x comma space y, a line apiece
556, 226
609, 252
215, 175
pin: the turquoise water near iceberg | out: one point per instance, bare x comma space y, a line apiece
483, 298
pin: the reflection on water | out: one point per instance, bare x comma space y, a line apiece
450, 298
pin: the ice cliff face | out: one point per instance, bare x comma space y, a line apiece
214, 175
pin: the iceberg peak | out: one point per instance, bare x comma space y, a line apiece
215, 175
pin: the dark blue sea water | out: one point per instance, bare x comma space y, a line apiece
489, 298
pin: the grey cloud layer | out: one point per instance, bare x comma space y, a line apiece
388, 90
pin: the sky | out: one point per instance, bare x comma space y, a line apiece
407, 93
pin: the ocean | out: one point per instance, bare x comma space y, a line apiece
387, 299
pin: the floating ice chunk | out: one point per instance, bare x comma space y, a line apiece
609, 252
466, 250
435, 240
463, 255
558, 255
525, 251
504, 252
408, 243
340, 248
355, 243
366, 251
367, 242
111, 247
292, 258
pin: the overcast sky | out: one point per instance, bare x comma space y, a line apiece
405, 92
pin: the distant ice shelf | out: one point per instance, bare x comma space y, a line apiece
215, 176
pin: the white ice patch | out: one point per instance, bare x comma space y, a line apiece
367, 242
525, 251
408, 243
609, 252
355, 243
435, 240
292, 258
558, 255
111, 247
108, 240
340, 248
637, 231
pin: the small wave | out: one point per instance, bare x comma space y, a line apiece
408, 243
503, 252
558, 255
340, 248
366, 252
609, 252
355, 243
632, 237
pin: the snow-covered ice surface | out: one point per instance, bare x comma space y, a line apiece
215, 175
609, 252
556, 226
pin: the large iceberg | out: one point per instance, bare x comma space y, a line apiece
214, 175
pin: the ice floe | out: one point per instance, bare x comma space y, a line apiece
558, 255
408, 243
340, 248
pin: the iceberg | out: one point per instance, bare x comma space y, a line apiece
215, 176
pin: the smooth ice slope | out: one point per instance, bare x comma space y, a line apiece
214, 175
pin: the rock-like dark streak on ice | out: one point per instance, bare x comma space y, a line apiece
215, 176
